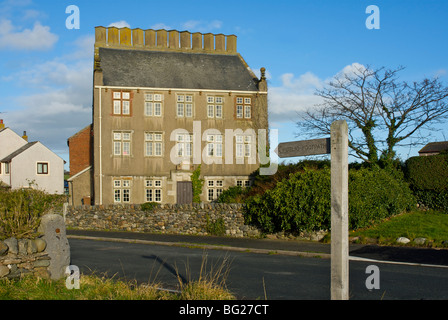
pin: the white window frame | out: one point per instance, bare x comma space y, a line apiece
153, 104
121, 103
214, 145
243, 108
214, 189
121, 190
215, 107
184, 105
153, 144
153, 190
121, 143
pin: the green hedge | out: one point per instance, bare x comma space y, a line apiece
302, 202
428, 179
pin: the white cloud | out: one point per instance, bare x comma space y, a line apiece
120, 24
202, 26
160, 25
37, 38
296, 94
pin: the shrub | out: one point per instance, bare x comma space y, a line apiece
21, 211
302, 202
149, 206
428, 178
232, 195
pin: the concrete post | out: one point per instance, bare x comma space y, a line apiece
339, 211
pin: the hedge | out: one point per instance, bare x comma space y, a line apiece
428, 179
302, 202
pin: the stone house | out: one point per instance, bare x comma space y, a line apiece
26, 164
433, 148
165, 103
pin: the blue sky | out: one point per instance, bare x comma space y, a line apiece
46, 69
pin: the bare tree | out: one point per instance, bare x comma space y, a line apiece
382, 112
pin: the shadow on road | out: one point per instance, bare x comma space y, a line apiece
403, 254
168, 267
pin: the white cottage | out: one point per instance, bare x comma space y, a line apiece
26, 164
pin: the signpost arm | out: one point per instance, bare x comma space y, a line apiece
339, 211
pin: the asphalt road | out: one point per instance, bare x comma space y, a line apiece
256, 275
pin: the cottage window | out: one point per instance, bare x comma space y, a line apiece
214, 145
214, 107
153, 104
122, 191
184, 145
122, 143
153, 190
214, 189
184, 106
153, 144
243, 108
121, 103
243, 146
42, 168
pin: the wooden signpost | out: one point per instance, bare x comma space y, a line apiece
337, 146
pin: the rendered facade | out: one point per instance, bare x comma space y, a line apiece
165, 103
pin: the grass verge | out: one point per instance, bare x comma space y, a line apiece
431, 224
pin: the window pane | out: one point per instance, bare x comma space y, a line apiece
157, 97
180, 98
211, 183
148, 108
149, 148
210, 99
126, 195
210, 194
126, 183
126, 95
189, 98
246, 100
247, 112
158, 195
117, 136
239, 100
149, 183
148, 97
158, 149
39, 168
117, 195
158, 109
117, 95
126, 148
239, 150
210, 148
189, 110
148, 136
218, 111
219, 150
117, 107
149, 195
126, 136
210, 111
117, 148
247, 150
117, 183
218, 99
239, 111
180, 109
158, 137
157, 183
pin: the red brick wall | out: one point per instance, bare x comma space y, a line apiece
80, 148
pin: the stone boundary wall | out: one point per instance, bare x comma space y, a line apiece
165, 218
23, 256
46, 256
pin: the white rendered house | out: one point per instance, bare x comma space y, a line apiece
26, 164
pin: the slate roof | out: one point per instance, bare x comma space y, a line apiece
434, 147
176, 70
18, 151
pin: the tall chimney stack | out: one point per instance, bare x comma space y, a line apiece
25, 137
2, 125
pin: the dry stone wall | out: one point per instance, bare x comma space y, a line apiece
46, 256
198, 219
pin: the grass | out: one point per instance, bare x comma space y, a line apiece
431, 224
209, 286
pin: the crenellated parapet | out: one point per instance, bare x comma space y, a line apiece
165, 40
